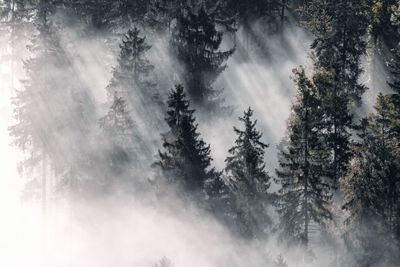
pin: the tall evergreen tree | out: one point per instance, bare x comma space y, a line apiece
195, 42
339, 46
382, 29
248, 178
304, 198
15, 16
271, 11
132, 80
131, 75
52, 109
121, 132
109, 16
186, 160
371, 190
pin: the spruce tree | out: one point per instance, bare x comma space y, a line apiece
338, 48
382, 126
131, 75
186, 160
109, 16
195, 43
382, 29
52, 109
120, 131
132, 80
270, 11
371, 189
15, 18
248, 178
304, 196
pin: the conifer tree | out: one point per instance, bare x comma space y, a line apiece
382, 126
304, 198
120, 131
382, 29
371, 189
15, 16
186, 159
132, 80
52, 108
339, 46
271, 11
394, 68
248, 178
109, 16
196, 42
131, 75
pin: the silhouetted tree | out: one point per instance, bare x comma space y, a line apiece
248, 178
371, 189
186, 160
339, 45
195, 43
304, 197
121, 132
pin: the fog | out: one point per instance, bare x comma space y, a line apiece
122, 229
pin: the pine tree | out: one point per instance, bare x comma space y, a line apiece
186, 160
382, 126
248, 178
371, 189
271, 11
304, 198
338, 47
32, 103
131, 75
52, 109
121, 132
15, 16
394, 68
337, 122
109, 16
195, 43
382, 29
132, 80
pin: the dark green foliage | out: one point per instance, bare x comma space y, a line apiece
248, 178
394, 68
340, 29
341, 43
382, 29
272, 11
304, 197
195, 42
186, 160
371, 189
336, 119
109, 15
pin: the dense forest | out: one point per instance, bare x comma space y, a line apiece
131, 99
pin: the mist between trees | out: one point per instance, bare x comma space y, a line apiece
203, 133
